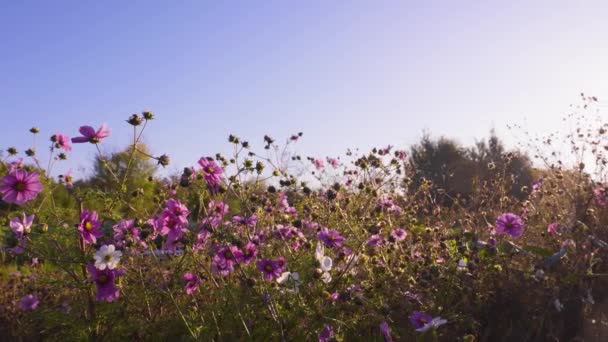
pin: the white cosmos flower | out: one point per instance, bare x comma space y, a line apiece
291, 280
326, 277
107, 257
326, 264
289, 276
282, 279
433, 324
319, 252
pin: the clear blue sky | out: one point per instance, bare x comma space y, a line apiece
346, 73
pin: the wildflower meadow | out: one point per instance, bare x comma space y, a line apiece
429, 242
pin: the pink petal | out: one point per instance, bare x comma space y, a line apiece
86, 131
78, 140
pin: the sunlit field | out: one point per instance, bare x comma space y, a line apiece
434, 241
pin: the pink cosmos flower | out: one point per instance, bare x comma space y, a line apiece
89, 226
224, 260
327, 334
386, 150
21, 226
90, 135
106, 282
20, 187
201, 239
250, 221
16, 244
553, 228
61, 141
318, 163
386, 332
191, 282
283, 204
399, 234
375, 240
333, 162
331, 238
211, 172
250, 251
271, 269
601, 196
29, 303
511, 224
127, 235
15, 165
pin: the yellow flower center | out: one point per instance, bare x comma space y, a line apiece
88, 226
269, 268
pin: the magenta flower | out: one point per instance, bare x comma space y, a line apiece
61, 141
271, 269
20, 187
177, 209
331, 238
224, 260
553, 228
601, 196
16, 244
511, 224
106, 282
89, 226
537, 184
201, 239
15, 165
386, 332
327, 334
191, 282
173, 223
250, 221
249, 252
318, 163
29, 303
211, 172
282, 232
90, 135
218, 208
284, 204
386, 150
333, 162
127, 235
375, 240
420, 319
399, 234
21, 226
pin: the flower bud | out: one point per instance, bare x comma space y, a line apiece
12, 151
163, 160
34, 130
148, 115
135, 120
